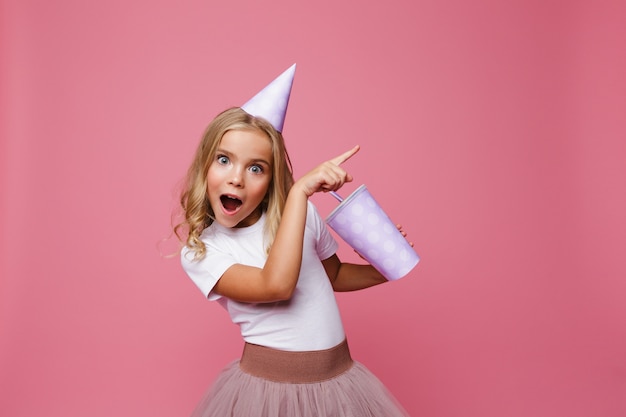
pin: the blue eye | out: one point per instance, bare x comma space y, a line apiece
256, 169
222, 159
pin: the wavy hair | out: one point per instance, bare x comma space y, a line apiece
198, 214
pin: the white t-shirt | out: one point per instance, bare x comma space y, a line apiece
310, 320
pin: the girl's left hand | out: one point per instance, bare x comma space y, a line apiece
399, 226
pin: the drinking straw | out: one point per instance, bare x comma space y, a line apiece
337, 196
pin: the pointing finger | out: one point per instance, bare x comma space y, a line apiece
338, 160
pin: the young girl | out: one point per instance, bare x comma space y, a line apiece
256, 244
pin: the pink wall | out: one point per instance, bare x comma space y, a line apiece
493, 131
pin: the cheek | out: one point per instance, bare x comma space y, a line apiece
262, 189
213, 179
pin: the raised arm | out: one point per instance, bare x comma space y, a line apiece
278, 278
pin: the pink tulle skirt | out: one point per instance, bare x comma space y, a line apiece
272, 383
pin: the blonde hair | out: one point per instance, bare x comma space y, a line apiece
194, 201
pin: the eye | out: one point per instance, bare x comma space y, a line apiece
256, 169
222, 159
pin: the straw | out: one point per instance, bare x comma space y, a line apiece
337, 196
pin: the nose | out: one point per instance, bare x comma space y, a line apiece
236, 179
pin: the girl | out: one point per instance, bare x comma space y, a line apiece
256, 244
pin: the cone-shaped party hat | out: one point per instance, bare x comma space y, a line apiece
271, 102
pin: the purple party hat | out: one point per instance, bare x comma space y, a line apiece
271, 102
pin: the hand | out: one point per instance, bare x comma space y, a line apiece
403, 233
328, 176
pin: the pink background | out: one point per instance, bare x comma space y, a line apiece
493, 131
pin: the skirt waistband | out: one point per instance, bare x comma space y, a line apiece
295, 367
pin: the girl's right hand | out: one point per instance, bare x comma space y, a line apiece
328, 176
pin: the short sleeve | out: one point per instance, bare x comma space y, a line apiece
326, 244
207, 271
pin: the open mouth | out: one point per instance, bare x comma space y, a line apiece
230, 204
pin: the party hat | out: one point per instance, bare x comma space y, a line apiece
271, 102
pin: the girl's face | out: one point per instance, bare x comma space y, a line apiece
239, 177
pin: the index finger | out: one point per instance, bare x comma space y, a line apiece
338, 160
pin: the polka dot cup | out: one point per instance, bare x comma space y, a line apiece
363, 224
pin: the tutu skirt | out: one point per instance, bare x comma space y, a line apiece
267, 382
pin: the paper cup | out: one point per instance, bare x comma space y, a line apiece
363, 224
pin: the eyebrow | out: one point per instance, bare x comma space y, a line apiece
262, 161
230, 154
